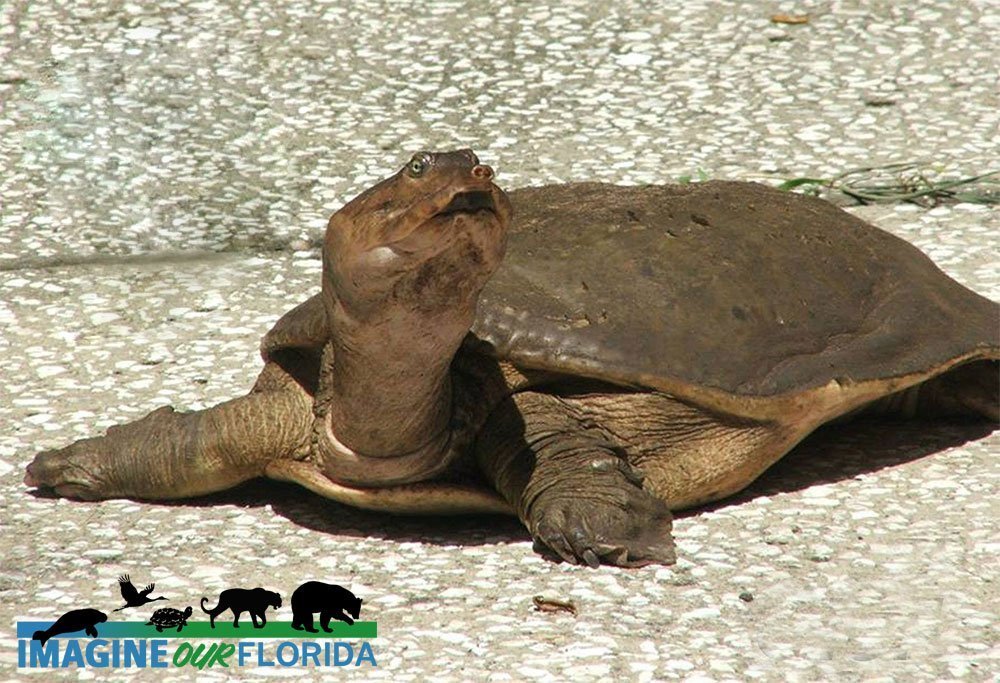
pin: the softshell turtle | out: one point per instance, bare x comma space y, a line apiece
168, 617
640, 349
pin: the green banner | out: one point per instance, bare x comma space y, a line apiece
202, 629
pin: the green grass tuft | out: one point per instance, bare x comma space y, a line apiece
903, 182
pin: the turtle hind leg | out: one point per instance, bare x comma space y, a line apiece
971, 390
168, 454
572, 486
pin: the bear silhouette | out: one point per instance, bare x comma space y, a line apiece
331, 601
84, 620
239, 600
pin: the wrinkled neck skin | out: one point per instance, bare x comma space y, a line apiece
388, 394
403, 266
392, 389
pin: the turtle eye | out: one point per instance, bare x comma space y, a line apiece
418, 165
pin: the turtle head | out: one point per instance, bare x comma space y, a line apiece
425, 239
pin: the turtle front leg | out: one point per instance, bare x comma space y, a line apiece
169, 454
572, 486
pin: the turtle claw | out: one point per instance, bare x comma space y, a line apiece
590, 558
581, 531
551, 541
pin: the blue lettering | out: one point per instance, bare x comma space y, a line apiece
159, 654
102, 653
97, 658
262, 659
72, 654
243, 651
135, 653
337, 648
310, 650
366, 653
45, 655
287, 645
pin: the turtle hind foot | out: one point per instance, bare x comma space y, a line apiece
119, 464
168, 455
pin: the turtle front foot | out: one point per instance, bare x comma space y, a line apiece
609, 519
571, 486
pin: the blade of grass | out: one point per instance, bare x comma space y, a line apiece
907, 182
799, 182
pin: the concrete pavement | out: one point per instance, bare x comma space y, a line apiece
165, 169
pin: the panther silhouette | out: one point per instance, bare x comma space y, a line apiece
239, 600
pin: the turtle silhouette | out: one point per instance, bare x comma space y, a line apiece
133, 597
168, 617
85, 620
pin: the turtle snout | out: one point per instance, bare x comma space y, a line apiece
482, 172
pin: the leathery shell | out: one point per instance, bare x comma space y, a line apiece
721, 289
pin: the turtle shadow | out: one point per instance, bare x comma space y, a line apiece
838, 452
311, 511
832, 453
314, 512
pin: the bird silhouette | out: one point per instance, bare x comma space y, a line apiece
134, 598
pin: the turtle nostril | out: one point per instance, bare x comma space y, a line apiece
482, 171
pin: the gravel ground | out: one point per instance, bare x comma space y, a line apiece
166, 167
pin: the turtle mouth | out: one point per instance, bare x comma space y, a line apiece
470, 202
